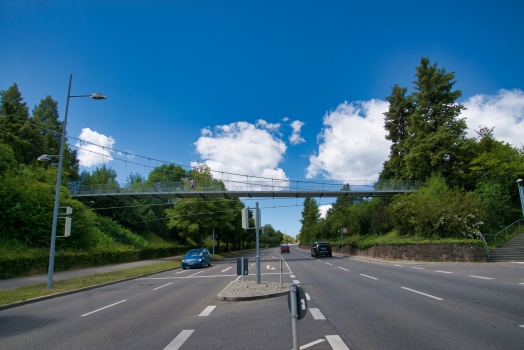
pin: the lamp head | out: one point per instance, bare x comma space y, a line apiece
44, 158
519, 181
98, 96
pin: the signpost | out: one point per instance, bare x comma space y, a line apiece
343, 231
297, 304
242, 267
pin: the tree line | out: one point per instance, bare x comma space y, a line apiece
469, 183
27, 190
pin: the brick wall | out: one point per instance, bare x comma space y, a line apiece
416, 252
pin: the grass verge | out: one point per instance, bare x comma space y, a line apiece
10, 296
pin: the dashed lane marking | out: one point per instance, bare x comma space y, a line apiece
179, 340
398, 265
296, 281
102, 308
427, 295
343, 268
307, 296
481, 277
329, 264
373, 278
418, 268
163, 286
207, 310
443, 271
336, 342
308, 345
317, 315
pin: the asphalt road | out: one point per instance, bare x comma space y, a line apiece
353, 304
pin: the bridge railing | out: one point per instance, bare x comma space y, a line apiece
256, 185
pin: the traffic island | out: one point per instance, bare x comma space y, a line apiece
250, 290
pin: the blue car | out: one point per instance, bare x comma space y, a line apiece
196, 258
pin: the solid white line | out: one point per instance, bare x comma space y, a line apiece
207, 310
163, 285
427, 295
443, 271
307, 296
105, 307
418, 268
343, 268
484, 278
305, 346
296, 281
373, 278
336, 342
317, 315
179, 340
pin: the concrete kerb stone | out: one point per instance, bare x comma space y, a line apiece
250, 290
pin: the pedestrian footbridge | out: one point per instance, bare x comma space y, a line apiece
254, 189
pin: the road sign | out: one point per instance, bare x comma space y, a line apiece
344, 230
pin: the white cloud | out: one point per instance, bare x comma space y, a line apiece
243, 148
324, 209
504, 111
285, 119
96, 150
268, 126
295, 138
352, 144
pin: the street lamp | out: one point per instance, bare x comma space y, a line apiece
45, 157
520, 195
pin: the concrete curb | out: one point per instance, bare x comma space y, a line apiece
257, 291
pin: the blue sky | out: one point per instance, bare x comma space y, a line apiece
225, 82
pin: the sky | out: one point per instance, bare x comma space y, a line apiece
291, 90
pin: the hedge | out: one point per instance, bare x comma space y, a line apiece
26, 266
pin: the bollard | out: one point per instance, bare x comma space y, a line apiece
294, 314
281, 272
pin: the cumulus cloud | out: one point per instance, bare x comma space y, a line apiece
295, 137
352, 144
243, 148
96, 150
268, 126
324, 209
504, 111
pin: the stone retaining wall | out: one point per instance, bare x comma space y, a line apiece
416, 252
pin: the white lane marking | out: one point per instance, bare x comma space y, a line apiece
398, 265
163, 286
427, 295
296, 281
307, 296
317, 315
373, 278
105, 307
521, 283
329, 264
207, 310
521, 325
343, 268
443, 271
292, 276
336, 342
484, 278
180, 272
270, 268
179, 340
305, 346
238, 278
195, 273
418, 268
226, 269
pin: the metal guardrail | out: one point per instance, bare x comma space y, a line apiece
504, 230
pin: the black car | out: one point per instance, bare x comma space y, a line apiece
321, 249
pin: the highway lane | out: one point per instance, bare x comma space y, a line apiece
176, 307
377, 305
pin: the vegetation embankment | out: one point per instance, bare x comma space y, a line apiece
10, 296
469, 187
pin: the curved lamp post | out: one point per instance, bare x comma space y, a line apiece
45, 157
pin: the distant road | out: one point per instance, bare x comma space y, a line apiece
354, 304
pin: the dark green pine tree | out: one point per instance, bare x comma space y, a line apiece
310, 221
436, 132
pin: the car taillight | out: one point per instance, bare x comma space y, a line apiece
317, 248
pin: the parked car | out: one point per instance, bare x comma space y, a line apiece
321, 249
196, 258
284, 248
